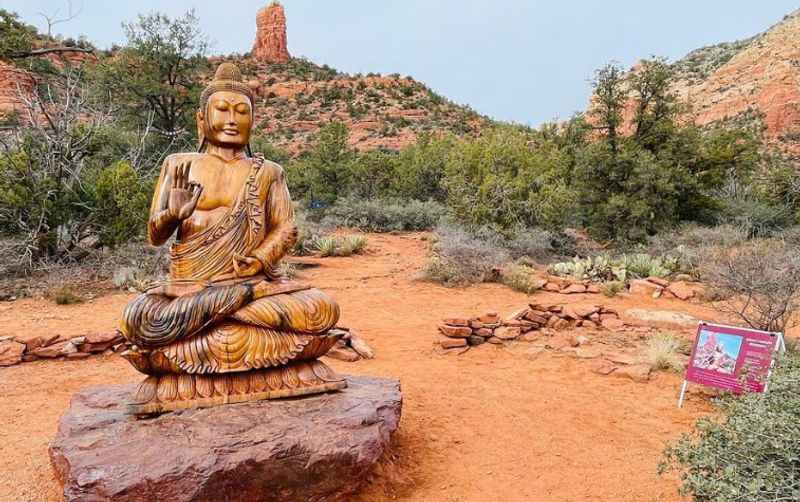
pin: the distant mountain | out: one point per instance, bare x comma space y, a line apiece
756, 79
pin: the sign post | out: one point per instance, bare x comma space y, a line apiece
730, 358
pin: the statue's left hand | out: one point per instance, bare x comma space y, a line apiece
245, 266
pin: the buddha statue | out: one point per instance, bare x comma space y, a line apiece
226, 326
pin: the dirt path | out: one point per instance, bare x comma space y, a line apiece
487, 425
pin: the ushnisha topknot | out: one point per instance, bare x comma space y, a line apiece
227, 78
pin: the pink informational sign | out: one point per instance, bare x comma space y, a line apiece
732, 359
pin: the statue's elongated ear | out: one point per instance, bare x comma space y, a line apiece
201, 130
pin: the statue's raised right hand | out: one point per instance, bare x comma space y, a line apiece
184, 194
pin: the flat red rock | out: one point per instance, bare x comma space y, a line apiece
11, 352
318, 447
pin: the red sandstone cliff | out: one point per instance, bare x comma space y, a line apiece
762, 75
270, 44
752, 80
15, 84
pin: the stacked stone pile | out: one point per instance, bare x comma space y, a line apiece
461, 333
19, 349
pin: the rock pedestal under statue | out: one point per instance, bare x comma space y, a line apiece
310, 448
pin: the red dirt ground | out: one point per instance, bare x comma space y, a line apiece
487, 425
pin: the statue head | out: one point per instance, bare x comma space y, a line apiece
226, 112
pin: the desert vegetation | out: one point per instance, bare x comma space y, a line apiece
628, 190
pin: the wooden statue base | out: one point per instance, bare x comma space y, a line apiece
171, 392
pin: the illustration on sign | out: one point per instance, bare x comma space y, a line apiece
731, 359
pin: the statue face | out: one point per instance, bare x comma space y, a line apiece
228, 119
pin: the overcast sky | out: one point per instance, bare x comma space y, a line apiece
521, 60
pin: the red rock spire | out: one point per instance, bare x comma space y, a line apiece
270, 45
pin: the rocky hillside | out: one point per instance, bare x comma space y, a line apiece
296, 97
753, 79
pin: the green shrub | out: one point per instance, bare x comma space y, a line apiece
750, 453
383, 215
642, 265
663, 351
340, 246
603, 268
122, 203
610, 289
458, 258
600, 268
325, 246
520, 278
501, 180
66, 296
307, 232
350, 245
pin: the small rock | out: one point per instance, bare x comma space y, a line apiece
484, 332
589, 324
52, 339
620, 358
612, 323
361, 347
552, 287
578, 340
658, 281
593, 288
664, 319
604, 368
78, 355
456, 321
490, 318
574, 289
540, 319
11, 352
452, 343
78, 340
684, 278
343, 354
507, 332
636, 372
558, 342
533, 353
519, 314
455, 351
681, 290
643, 287
455, 331
495, 341
561, 324
29, 358
51, 351
591, 352
583, 311
476, 340
528, 337
555, 308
